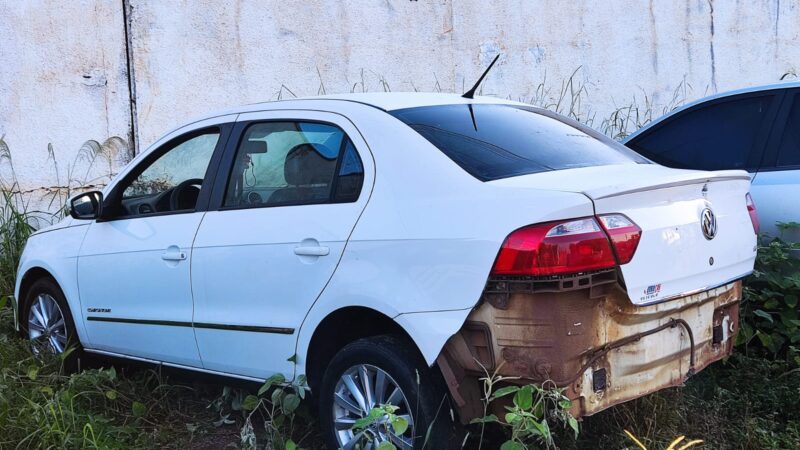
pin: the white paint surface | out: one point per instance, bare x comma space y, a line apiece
64, 75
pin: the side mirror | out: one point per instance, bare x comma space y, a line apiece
86, 206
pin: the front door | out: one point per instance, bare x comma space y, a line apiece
134, 264
295, 188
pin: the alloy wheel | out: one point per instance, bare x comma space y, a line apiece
360, 389
46, 325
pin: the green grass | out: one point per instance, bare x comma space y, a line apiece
41, 407
743, 403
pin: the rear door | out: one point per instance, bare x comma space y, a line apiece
778, 178
284, 204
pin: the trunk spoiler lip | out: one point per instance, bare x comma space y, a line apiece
696, 291
685, 182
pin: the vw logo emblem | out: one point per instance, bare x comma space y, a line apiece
708, 223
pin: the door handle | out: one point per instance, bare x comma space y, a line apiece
312, 250
173, 255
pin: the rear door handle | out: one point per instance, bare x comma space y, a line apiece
312, 251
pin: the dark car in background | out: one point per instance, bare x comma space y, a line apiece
755, 129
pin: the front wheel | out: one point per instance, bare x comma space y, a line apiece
374, 372
48, 322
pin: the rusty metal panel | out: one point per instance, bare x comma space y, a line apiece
602, 348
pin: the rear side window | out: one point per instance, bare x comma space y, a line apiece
789, 150
500, 141
712, 137
294, 163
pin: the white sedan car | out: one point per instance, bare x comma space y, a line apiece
394, 247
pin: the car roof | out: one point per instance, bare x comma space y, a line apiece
762, 88
385, 101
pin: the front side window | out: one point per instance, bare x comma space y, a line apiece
499, 141
294, 163
172, 181
712, 137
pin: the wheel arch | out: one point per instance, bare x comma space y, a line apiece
343, 326
31, 275
35, 271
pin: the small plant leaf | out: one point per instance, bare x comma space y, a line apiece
503, 391
276, 379
111, 394
290, 403
524, 397
399, 425
491, 418
277, 396
573, 423
386, 445
290, 445
138, 409
225, 420
764, 315
511, 445
250, 403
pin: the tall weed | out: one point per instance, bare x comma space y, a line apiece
769, 310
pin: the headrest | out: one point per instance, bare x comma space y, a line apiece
306, 164
250, 147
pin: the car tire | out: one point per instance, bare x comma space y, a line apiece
47, 322
424, 398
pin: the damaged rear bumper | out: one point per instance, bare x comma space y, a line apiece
586, 336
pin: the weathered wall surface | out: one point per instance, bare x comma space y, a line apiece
63, 81
64, 74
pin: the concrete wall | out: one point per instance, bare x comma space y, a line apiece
65, 71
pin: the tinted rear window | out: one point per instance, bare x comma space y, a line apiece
713, 136
789, 150
500, 141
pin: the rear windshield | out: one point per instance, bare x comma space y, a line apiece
500, 141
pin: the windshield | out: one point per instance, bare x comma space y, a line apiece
500, 141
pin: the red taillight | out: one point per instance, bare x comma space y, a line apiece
624, 234
751, 209
555, 248
559, 248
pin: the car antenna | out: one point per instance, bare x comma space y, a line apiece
471, 93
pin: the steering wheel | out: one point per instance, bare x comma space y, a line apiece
180, 190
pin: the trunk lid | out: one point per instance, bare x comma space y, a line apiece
674, 257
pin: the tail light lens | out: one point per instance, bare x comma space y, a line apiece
751, 209
560, 248
624, 234
555, 248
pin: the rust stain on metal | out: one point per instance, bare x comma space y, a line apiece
587, 336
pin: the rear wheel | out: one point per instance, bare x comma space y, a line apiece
377, 371
48, 322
